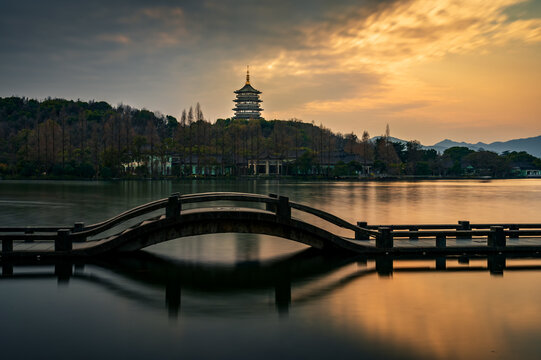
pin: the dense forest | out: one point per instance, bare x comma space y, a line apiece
58, 138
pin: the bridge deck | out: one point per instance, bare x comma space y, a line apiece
122, 233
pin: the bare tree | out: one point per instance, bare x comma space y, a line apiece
190, 140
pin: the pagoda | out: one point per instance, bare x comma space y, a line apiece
247, 101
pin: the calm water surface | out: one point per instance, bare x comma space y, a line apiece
249, 296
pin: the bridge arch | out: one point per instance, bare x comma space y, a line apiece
275, 220
216, 221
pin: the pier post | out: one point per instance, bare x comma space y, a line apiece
441, 241
7, 245
385, 238
283, 211
269, 206
173, 296
384, 266
79, 267
28, 231
172, 210
7, 269
414, 237
514, 228
63, 241
77, 228
496, 238
464, 225
361, 235
282, 294
63, 271
496, 264
441, 263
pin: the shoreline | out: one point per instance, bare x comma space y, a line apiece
279, 178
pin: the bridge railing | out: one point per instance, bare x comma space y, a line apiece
281, 206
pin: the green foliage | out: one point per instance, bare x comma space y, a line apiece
106, 172
342, 169
457, 153
66, 138
423, 168
304, 164
85, 170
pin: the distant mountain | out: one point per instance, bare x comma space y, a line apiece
531, 145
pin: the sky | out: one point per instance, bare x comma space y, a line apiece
467, 70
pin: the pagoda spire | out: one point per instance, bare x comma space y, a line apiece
247, 74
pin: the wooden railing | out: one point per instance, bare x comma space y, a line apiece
384, 235
64, 236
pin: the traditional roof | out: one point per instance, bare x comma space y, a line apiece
247, 101
247, 88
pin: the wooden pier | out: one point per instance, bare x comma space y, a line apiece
270, 215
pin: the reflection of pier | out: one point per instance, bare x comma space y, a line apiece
295, 280
269, 215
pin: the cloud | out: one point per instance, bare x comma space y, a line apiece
115, 38
312, 59
388, 41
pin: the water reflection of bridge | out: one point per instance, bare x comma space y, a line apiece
269, 215
295, 280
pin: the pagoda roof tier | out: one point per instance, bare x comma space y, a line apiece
252, 109
248, 116
248, 106
246, 110
247, 88
245, 99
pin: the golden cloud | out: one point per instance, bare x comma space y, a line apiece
394, 39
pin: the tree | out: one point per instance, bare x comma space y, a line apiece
367, 149
190, 140
453, 159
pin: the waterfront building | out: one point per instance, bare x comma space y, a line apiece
247, 101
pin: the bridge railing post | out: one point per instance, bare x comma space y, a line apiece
283, 210
464, 225
77, 228
359, 234
414, 228
270, 206
28, 231
496, 238
173, 207
385, 238
63, 241
513, 228
7, 245
441, 241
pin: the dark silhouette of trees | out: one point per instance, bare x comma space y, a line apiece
66, 138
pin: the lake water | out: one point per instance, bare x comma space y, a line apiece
233, 296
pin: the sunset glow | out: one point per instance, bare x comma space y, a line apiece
466, 70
